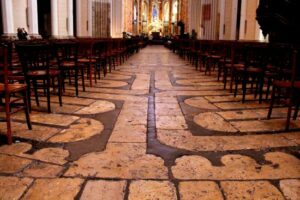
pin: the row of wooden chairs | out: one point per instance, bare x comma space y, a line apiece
250, 65
34, 66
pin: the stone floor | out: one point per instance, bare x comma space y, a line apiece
152, 129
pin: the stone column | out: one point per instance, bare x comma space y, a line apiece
243, 20
70, 19
8, 19
90, 18
33, 18
54, 18
222, 18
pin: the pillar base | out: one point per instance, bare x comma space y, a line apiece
35, 36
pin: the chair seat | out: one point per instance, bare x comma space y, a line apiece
86, 60
38, 73
12, 88
67, 64
254, 70
286, 84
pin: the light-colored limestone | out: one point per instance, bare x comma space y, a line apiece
152, 190
52, 155
83, 129
111, 84
237, 167
185, 140
104, 190
42, 170
117, 77
15, 149
97, 107
251, 190
214, 122
38, 132
197, 82
200, 102
240, 105
167, 109
195, 190
120, 160
290, 189
133, 134
53, 189
170, 122
13, 187
12, 164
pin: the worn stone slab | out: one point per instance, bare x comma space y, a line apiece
152, 190
240, 105
97, 107
15, 149
170, 122
83, 129
133, 134
13, 187
183, 139
111, 83
52, 155
264, 125
38, 133
198, 82
200, 102
53, 189
227, 98
120, 160
167, 109
290, 188
238, 167
56, 108
104, 190
251, 190
252, 114
117, 77
12, 164
42, 170
71, 100
194, 190
213, 121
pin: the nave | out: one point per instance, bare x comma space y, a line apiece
153, 128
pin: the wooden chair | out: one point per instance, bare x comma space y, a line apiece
36, 68
67, 60
292, 90
10, 91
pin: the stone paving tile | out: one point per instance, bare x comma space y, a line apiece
170, 122
252, 114
38, 133
133, 134
59, 188
167, 109
194, 190
197, 82
228, 98
165, 100
81, 130
240, 105
97, 107
104, 190
152, 190
200, 102
71, 100
185, 140
117, 77
215, 122
12, 164
49, 119
120, 160
56, 108
264, 125
290, 189
141, 82
237, 167
251, 190
111, 83
42, 170
13, 187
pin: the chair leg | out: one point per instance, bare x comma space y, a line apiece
48, 96
288, 117
271, 103
8, 121
76, 81
59, 89
36, 93
25, 99
82, 78
296, 110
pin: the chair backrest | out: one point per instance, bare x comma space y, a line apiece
66, 51
34, 56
